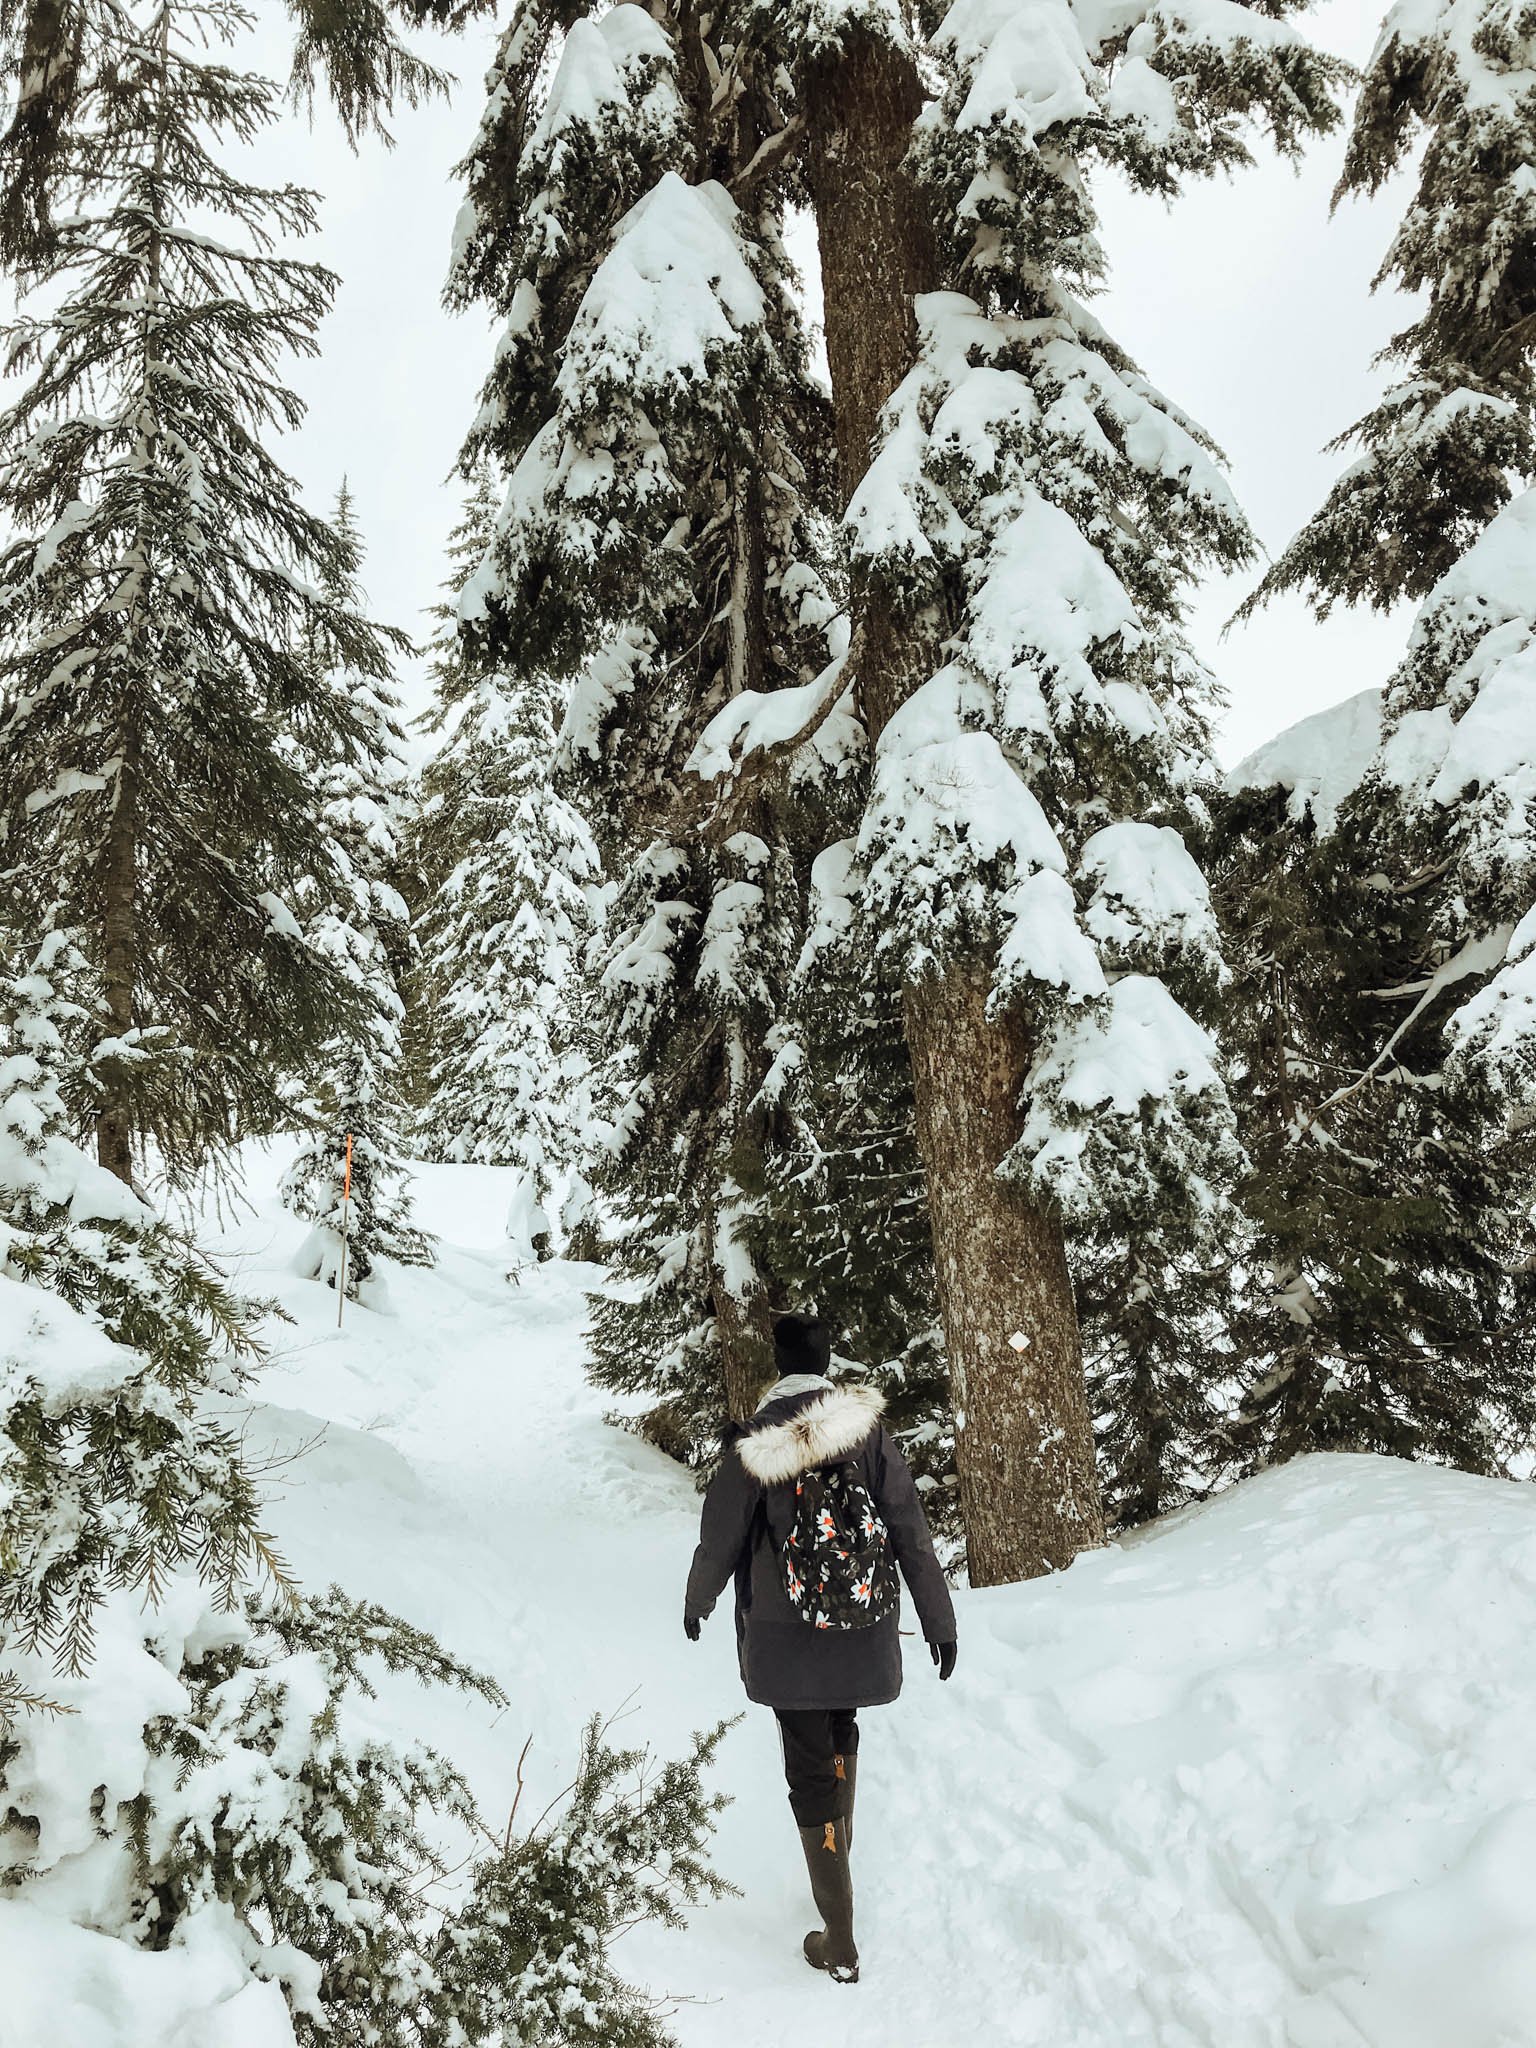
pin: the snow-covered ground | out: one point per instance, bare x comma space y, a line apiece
1261, 1779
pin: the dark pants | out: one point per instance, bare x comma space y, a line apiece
814, 1742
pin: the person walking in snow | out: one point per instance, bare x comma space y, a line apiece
810, 1513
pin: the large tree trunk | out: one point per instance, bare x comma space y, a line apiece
726, 134
876, 241
119, 960
119, 870
1024, 1439
746, 1349
1029, 1490
743, 1315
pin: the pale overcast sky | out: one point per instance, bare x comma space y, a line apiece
1245, 302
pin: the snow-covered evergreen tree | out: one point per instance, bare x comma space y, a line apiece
114, 1469
221, 1787
1028, 799
1390, 1014
162, 739
1392, 1028
58, 51
1022, 541
268, 1792
511, 879
211, 1784
361, 925
1479, 628
1020, 549
532, 1947
1451, 799
846, 1208
1443, 450
349, 1185
659, 551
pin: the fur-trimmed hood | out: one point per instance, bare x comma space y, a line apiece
790, 1437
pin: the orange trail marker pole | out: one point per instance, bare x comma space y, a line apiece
346, 1202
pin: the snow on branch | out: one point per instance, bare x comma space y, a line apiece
1127, 1099
1319, 761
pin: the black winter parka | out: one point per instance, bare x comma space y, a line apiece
748, 1512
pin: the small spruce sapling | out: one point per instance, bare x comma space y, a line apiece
623, 1846
268, 1814
374, 1221
366, 1878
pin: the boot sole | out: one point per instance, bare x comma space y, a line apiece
840, 1973
838, 1976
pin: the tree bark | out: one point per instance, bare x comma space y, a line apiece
746, 1349
120, 967
119, 873
1024, 1438
1029, 1490
877, 248
726, 130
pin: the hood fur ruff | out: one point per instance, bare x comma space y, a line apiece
828, 1426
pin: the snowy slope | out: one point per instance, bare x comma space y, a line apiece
1262, 1779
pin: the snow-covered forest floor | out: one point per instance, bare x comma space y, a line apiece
1262, 1779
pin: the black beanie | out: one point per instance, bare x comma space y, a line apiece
801, 1344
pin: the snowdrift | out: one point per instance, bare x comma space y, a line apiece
1261, 1778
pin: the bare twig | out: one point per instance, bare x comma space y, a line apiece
517, 1795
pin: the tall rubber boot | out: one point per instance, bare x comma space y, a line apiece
830, 1947
847, 1768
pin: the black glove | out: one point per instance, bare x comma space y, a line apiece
691, 1627
944, 1655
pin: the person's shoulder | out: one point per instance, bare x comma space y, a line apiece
885, 1446
728, 1464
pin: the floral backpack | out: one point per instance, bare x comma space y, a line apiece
838, 1567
